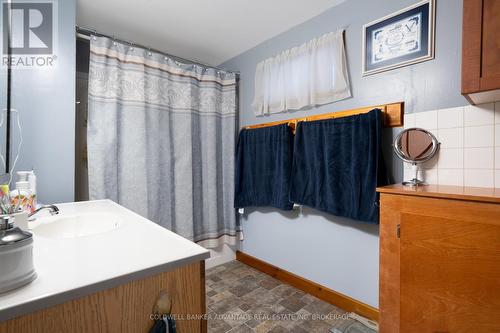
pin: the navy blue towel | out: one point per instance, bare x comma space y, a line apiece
337, 165
263, 166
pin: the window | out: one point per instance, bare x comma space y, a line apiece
314, 73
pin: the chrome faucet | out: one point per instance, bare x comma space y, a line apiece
52, 209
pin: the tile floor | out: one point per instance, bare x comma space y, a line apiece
242, 299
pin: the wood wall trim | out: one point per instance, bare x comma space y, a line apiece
393, 116
328, 295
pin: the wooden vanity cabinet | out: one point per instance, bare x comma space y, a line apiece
439, 259
126, 308
481, 51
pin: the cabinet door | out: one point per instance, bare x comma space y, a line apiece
449, 274
480, 46
490, 57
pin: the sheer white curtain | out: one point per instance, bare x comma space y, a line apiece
314, 73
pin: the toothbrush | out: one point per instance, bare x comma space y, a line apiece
3, 205
18, 203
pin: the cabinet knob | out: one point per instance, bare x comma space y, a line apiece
163, 304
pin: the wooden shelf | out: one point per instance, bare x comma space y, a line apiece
393, 115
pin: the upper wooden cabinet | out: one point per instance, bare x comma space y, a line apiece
481, 51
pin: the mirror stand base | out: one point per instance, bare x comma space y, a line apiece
415, 182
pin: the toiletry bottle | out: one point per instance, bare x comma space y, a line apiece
22, 176
21, 197
32, 182
4, 199
4, 189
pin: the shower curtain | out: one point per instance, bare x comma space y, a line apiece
161, 140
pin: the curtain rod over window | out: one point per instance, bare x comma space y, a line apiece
87, 32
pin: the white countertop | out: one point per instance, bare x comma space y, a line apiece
74, 267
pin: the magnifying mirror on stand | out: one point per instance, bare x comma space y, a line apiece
415, 146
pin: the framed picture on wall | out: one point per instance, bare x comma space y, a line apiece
399, 39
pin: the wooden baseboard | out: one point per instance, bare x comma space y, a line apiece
335, 298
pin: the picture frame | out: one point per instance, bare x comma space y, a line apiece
400, 39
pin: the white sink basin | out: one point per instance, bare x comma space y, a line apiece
74, 226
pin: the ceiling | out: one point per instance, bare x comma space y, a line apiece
209, 31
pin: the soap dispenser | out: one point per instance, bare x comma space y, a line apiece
24, 196
16, 256
32, 182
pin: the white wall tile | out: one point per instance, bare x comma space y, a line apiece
497, 113
451, 158
478, 158
409, 120
479, 136
430, 164
427, 120
433, 131
429, 176
497, 158
497, 135
451, 177
449, 118
451, 137
478, 178
477, 115
469, 154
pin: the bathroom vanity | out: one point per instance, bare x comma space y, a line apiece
101, 268
439, 259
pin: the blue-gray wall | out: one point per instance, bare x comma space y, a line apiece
45, 99
338, 253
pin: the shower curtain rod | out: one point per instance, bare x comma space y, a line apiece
89, 32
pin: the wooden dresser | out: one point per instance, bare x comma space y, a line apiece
439, 259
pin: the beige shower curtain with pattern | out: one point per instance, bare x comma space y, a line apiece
161, 140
